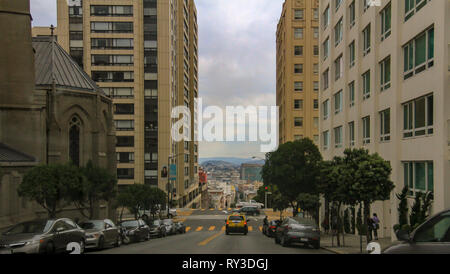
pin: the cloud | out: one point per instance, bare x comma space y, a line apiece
43, 12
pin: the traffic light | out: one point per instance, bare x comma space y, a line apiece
267, 188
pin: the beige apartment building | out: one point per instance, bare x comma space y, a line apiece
144, 55
298, 70
385, 86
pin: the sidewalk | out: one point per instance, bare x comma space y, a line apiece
352, 244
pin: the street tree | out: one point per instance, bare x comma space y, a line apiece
294, 168
50, 186
311, 204
98, 185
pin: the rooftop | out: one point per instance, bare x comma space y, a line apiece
8, 154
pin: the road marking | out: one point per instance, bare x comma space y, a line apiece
199, 228
220, 209
203, 209
211, 209
212, 228
223, 228
260, 228
250, 228
205, 242
229, 209
188, 228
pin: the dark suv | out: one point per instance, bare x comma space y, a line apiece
249, 211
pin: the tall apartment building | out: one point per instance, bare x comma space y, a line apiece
298, 70
385, 86
144, 55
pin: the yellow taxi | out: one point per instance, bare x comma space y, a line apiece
236, 223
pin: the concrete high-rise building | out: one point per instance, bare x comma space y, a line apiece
298, 70
144, 55
385, 84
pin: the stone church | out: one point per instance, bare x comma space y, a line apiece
50, 112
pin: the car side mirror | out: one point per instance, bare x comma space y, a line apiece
403, 235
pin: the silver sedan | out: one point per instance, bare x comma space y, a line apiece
101, 233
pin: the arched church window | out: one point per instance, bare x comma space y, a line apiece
74, 141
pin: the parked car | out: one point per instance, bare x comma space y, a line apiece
180, 227
136, 230
42, 236
249, 211
270, 228
298, 230
170, 226
432, 237
101, 233
157, 228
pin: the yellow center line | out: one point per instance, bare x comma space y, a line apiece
188, 228
205, 242
223, 228
212, 228
199, 228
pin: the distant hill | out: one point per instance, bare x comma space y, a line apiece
230, 160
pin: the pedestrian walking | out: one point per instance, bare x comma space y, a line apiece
369, 229
376, 225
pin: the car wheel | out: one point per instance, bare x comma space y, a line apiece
82, 246
276, 240
227, 232
50, 248
118, 241
284, 242
101, 243
316, 245
148, 236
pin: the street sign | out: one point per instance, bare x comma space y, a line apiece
173, 172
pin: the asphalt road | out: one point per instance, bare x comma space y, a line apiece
206, 235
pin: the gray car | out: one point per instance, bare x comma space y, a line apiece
101, 233
42, 236
298, 230
170, 226
432, 237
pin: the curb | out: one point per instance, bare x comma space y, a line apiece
333, 251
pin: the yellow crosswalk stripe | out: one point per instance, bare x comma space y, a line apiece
188, 228
212, 228
203, 209
250, 228
223, 228
229, 209
211, 209
220, 208
199, 228
260, 228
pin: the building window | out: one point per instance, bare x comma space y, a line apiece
298, 50
113, 76
316, 122
298, 137
326, 140
385, 73
338, 68
386, 22
316, 50
326, 17
366, 130
366, 85
74, 141
413, 6
127, 109
125, 141
315, 14
125, 157
351, 93
338, 102
298, 104
419, 54
119, 92
366, 4
112, 27
326, 48
316, 104
125, 173
298, 121
298, 33
352, 54
418, 177
338, 137
366, 40
316, 86
418, 117
124, 125
298, 68
298, 86
385, 125
298, 14
337, 4
316, 68
325, 110
351, 133
352, 14
338, 31
326, 80
316, 32
97, 10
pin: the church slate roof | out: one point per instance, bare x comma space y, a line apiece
53, 62
8, 154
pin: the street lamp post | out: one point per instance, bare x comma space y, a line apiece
169, 185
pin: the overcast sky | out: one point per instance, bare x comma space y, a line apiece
236, 55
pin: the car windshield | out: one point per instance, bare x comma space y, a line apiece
236, 218
302, 221
33, 227
93, 225
130, 224
157, 222
167, 221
